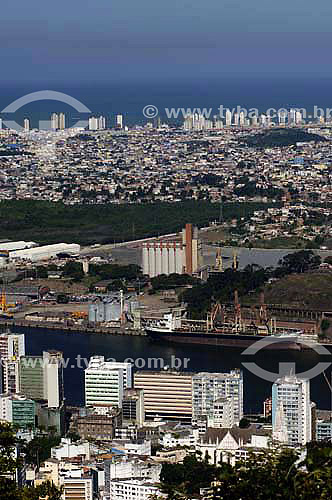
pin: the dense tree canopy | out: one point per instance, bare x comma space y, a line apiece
47, 222
221, 287
8, 466
267, 475
299, 262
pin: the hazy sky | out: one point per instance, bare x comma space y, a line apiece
111, 41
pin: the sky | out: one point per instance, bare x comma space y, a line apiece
112, 41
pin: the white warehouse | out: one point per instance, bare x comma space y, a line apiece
45, 252
17, 245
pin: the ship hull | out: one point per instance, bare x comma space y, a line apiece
225, 340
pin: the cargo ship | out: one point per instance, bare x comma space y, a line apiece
175, 327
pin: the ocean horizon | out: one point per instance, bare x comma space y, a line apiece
129, 98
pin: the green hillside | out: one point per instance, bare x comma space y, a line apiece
311, 290
281, 137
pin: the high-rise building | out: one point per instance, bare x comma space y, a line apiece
26, 124
119, 121
167, 394
41, 378
97, 123
18, 410
11, 377
62, 121
12, 347
324, 425
223, 415
263, 120
105, 382
242, 119
32, 377
133, 407
53, 378
55, 121
282, 117
298, 117
254, 121
101, 123
197, 122
210, 387
291, 410
93, 123
236, 119
228, 118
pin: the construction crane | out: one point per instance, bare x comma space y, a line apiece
235, 261
4, 310
219, 260
237, 311
4, 307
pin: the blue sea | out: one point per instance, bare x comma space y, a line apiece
130, 97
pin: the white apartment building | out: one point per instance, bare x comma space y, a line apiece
133, 467
77, 488
53, 378
209, 387
67, 449
123, 467
187, 438
119, 121
291, 410
138, 448
223, 415
132, 489
12, 347
105, 382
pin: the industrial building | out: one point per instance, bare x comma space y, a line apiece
168, 257
112, 309
17, 245
45, 252
7, 247
101, 311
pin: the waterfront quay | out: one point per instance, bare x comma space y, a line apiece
102, 330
